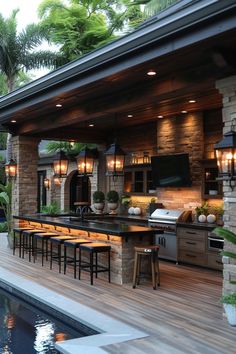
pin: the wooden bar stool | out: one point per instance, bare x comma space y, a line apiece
75, 243
27, 244
147, 251
43, 237
19, 231
93, 249
59, 241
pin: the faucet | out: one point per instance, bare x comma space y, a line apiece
83, 210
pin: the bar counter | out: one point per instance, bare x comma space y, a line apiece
121, 235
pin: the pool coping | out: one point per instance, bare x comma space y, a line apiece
112, 331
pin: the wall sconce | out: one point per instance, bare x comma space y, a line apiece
57, 180
47, 183
60, 164
226, 157
85, 161
11, 168
115, 158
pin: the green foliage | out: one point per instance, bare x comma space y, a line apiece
152, 7
6, 204
17, 50
98, 197
68, 147
112, 196
3, 226
203, 209
226, 234
79, 26
125, 200
153, 200
229, 299
51, 209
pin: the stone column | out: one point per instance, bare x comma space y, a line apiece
227, 87
24, 196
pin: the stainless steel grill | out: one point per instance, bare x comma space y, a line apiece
166, 219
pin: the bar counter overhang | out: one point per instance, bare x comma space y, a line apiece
120, 235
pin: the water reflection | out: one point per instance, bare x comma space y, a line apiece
24, 331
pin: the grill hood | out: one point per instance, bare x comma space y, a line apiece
166, 215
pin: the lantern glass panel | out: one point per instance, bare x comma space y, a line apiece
85, 165
60, 167
115, 164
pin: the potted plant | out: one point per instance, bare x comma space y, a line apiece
6, 206
201, 212
51, 209
228, 300
112, 197
153, 205
98, 201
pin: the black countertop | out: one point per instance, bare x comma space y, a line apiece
110, 226
198, 225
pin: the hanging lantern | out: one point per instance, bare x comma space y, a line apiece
85, 161
11, 168
46, 183
115, 158
60, 164
57, 180
226, 156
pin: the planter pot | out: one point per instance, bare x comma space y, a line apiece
230, 311
113, 208
98, 208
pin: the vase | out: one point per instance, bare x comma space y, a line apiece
113, 208
98, 208
230, 311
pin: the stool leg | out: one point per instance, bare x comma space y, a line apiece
59, 255
79, 262
34, 241
109, 266
43, 250
65, 260
20, 243
14, 243
96, 267
91, 267
23, 246
135, 270
153, 271
51, 255
157, 268
138, 268
75, 262
30, 245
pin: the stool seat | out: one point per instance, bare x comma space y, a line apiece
147, 251
61, 239
94, 248
75, 242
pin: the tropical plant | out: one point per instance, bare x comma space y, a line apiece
98, 197
6, 205
51, 209
125, 200
79, 26
68, 147
229, 236
152, 7
229, 299
112, 196
17, 49
3, 226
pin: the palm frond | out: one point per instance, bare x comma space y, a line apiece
228, 254
226, 234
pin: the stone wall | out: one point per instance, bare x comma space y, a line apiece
25, 152
227, 88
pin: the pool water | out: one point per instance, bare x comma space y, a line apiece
25, 329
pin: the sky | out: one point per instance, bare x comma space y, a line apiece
26, 15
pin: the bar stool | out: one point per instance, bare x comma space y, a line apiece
152, 252
75, 243
59, 241
27, 244
43, 237
93, 249
19, 230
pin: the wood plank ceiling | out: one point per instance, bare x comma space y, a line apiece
133, 96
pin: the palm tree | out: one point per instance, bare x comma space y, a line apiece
67, 147
16, 50
152, 7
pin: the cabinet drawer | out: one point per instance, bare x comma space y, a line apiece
191, 244
189, 233
215, 261
192, 257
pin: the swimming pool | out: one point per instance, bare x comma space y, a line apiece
25, 328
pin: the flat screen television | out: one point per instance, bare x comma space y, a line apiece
171, 170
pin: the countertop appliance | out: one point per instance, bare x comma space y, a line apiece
166, 219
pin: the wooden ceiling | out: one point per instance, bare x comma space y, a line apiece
131, 97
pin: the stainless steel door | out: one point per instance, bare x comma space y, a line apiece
168, 246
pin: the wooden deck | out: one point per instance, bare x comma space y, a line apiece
183, 316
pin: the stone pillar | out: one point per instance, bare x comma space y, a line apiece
227, 87
24, 195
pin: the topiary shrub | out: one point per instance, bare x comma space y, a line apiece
98, 197
112, 197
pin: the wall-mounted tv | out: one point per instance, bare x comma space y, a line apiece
171, 170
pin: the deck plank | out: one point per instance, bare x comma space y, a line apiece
182, 316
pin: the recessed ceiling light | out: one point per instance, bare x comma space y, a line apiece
130, 115
184, 111
151, 73
91, 125
159, 116
192, 101
13, 121
59, 105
